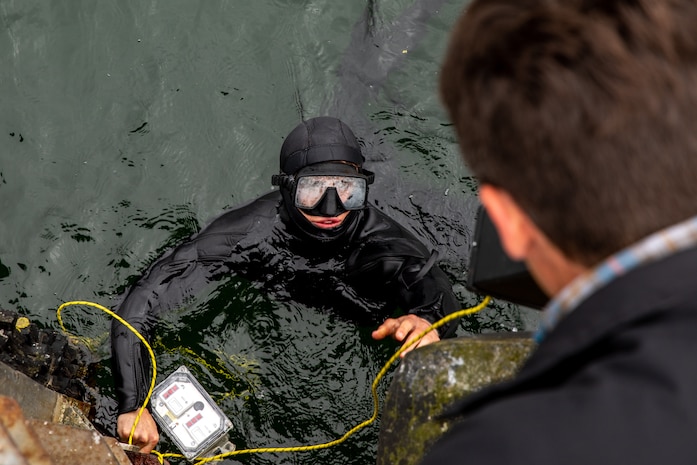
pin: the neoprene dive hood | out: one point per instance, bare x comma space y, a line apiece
330, 142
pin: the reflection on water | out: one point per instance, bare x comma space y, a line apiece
126, 126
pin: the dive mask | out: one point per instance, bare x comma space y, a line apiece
327, 189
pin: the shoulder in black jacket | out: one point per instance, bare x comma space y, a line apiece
613, 383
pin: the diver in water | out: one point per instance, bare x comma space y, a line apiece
315, 240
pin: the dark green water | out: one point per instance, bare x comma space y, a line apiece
127, 125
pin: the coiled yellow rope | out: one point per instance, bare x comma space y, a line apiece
260, 450
134, 331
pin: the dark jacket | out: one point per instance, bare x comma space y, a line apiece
376, 268
614, 383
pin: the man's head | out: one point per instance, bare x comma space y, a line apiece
583, 113
322, 180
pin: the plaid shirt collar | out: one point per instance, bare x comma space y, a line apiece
652, 248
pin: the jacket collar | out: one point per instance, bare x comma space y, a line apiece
656, 246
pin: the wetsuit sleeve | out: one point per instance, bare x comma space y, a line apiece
167, 285
402, 267
173, 280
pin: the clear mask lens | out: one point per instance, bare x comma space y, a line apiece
310, 189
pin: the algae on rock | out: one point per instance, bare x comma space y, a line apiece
431, 378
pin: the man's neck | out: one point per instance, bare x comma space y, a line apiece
550, 267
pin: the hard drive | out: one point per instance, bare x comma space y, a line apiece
188, 415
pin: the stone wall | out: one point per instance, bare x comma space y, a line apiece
433, 377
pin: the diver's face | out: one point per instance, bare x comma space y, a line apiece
325, 222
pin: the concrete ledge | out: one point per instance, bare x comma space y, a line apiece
431, 378
39, 402
68, 445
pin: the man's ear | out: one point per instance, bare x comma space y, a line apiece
513, 225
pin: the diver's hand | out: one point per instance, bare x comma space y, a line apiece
405, 329
145, 436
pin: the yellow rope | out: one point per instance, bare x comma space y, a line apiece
260, 450
374, 386
134, 331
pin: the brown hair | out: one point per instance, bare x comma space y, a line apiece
584, 111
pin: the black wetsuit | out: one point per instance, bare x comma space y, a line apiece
373, 269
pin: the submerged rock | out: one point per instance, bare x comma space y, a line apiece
433, 377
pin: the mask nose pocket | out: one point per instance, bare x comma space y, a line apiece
329, 205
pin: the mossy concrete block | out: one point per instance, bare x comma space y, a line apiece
432, 378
